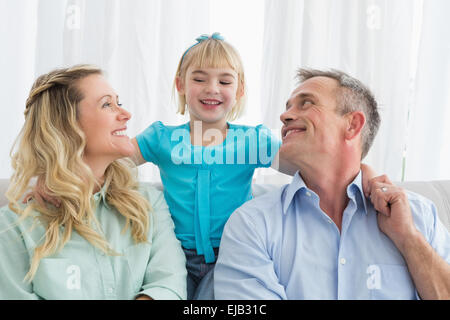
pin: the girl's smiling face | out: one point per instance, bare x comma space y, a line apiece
210, 93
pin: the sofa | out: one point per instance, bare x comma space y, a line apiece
437, 191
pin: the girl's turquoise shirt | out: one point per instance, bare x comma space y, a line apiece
204, 185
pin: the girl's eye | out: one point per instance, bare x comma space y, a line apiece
225, 82
199, 80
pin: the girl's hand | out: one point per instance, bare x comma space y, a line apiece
40, 193
367, 174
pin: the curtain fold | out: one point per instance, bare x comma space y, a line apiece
428, 146
371, 40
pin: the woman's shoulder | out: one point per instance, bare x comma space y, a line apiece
10, 221
153, 192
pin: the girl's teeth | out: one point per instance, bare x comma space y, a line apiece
211, 102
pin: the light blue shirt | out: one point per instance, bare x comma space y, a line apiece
283, 246
204, 185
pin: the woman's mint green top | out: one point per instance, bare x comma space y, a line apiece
204, 185
81, 271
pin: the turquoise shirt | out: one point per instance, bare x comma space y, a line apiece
82, 271
204, 185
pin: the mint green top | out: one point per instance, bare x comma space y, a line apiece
82, 271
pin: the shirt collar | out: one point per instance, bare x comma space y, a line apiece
101, 196
296, 185
354, 191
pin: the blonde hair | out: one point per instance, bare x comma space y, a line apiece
50, 146
213, 53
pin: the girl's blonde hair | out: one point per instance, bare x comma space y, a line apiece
213, 53
50, 147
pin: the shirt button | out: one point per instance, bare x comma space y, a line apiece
308, 193
110, 290
342, 261
330, 221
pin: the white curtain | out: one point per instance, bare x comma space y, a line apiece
428, 146
368, 39
137, 42
399, 48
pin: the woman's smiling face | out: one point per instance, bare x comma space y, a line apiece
103, 121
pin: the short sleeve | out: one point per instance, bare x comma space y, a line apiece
149, 141
268, 145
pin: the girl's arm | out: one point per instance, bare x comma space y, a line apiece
283, 166
137, 157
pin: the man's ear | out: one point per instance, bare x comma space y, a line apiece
180, 85
355, 123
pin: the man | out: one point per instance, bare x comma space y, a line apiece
319, 237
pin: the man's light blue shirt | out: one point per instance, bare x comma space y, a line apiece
283, 246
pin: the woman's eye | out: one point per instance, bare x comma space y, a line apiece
107, 105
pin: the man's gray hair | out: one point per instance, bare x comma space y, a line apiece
352, 96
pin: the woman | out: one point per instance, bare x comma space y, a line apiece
109, 238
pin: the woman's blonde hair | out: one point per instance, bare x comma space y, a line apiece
50, 147
213, 53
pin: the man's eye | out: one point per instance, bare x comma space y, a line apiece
107, 105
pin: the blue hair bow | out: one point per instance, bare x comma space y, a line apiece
203, 37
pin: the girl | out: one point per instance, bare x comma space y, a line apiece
206, 164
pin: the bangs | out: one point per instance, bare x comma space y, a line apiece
213, 54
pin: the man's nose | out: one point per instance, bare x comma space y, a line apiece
287, 116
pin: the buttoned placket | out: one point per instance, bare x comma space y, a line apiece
344, 277
104, 260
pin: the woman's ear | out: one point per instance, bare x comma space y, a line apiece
180, 85
355, 123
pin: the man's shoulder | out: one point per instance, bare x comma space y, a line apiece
267, 203
420, 205
424, 213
